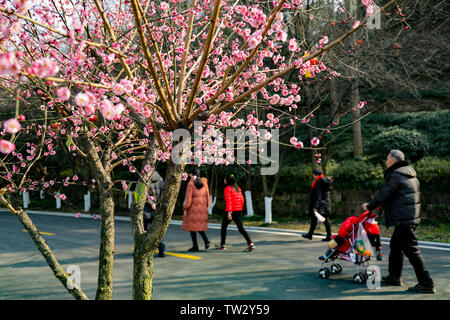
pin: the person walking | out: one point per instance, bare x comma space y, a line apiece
319, 202
400, 199
195, 209
154, 190
234, 202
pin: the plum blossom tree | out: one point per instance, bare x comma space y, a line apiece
111, 81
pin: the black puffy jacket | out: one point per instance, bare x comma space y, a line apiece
399, 196
320, 197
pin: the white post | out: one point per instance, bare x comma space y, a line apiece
58, 201
26, 199
130, 199
212, 203
248, 202
41, 194
87, 202
268, 205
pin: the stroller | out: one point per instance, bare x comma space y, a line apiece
354, 243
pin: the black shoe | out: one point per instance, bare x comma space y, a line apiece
392, 281
420, 288
327, 239
307, 236
207, 244
161, 254
193, 249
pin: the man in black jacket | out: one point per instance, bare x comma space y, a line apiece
400, 200
319, 202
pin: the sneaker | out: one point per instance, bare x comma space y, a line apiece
307, 236
379, 255
327, 239
193, 249
392, 281
251, 247
224, 247
207, 245
420, 288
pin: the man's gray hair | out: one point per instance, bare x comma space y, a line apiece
397, 154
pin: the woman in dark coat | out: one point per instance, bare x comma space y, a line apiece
319, 202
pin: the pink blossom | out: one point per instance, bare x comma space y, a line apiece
118, 89
293, 140
63, 93
362, 104
315, 141
293, 44
356, 24
45, 67
12, 125
281, 36
6, 146
127, 85
82, 99
164, 6
77, 215
22, 5
275, 99
299, 145
270, 116
9, 64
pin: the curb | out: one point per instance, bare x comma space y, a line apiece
425, 244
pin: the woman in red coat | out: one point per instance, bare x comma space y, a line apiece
234, 202
195, 207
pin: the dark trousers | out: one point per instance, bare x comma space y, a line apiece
404, 242
326, 223
161, 246
194, 238
237, 218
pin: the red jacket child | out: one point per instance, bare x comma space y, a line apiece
234, 200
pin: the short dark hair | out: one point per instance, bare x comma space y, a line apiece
317, 172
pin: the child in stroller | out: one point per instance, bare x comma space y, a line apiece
348, 244
341, 242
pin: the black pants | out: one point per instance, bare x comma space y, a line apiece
326, 223
404, 242
237, 218
194, 238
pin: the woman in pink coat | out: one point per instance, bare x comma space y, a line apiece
195, 207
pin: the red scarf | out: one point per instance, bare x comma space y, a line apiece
314, 183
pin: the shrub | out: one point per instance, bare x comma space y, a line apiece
356, 175
433, 174
414, 144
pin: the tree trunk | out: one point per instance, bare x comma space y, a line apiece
357, 134
142, 272
146, 245
107, 237
101, 171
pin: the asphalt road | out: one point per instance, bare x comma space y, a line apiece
281, 267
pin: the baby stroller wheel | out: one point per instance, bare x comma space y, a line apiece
324, 273
336, 268
360, 278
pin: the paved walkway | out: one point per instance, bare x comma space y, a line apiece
283, 266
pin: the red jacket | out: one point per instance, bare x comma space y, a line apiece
234, 200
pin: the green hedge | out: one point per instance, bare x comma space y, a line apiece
414, 144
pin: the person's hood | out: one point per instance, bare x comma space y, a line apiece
156, 177
407, 171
